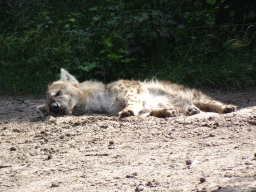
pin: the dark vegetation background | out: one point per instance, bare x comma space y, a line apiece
199, 43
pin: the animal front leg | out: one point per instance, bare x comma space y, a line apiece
163, 112
192, 110
130, 110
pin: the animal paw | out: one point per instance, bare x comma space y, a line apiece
192, 110
229, 108
162, 113
126, 113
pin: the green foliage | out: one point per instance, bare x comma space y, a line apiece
107, 39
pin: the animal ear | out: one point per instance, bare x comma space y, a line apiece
42, 109
65, 76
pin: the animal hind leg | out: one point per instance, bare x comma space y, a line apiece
214, 106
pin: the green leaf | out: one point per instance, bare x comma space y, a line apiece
122, 51
113, 56
103, 51
128, 60
211, 2
88, 66
93, 9
108, 44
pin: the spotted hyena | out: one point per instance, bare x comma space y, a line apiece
126, 98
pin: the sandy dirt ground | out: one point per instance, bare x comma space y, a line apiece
204, 152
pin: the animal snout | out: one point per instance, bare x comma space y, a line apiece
55, 107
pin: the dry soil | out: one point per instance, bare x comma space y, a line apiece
204, 152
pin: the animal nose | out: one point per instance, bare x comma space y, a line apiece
55, 107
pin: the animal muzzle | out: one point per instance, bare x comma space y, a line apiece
55, 108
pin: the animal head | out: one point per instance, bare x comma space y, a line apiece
62, 96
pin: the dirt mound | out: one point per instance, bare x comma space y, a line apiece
204, 152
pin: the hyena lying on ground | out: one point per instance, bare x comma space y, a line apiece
126, 98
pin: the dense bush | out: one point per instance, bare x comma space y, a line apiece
181, 41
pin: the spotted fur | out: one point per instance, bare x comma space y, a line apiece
126, 98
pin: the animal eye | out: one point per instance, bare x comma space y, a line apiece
58, 93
